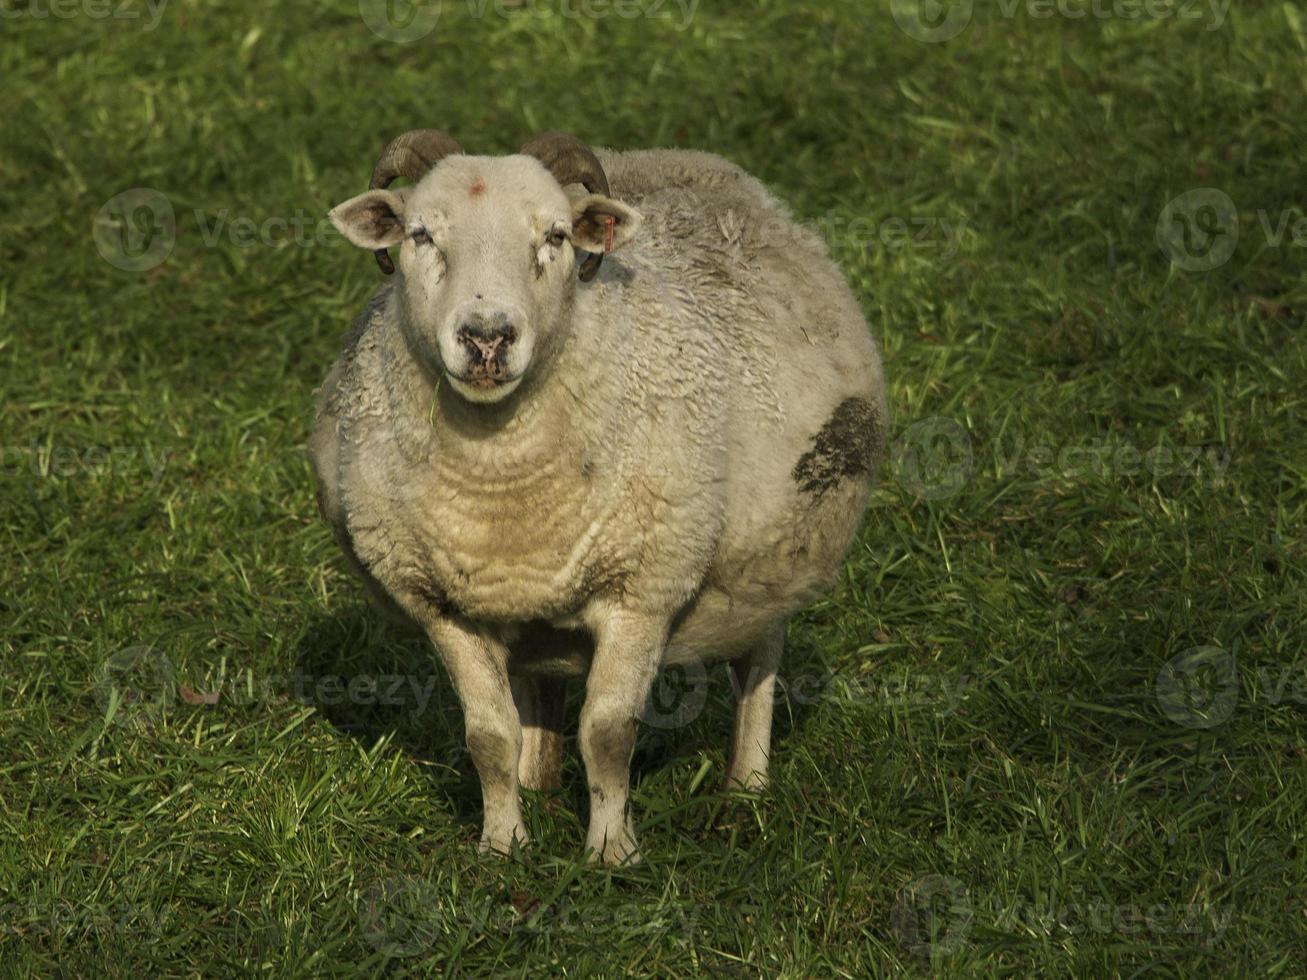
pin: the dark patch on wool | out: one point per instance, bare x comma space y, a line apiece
845, 447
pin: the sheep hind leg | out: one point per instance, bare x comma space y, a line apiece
754, 680
540, 702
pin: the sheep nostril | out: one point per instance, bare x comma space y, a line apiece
486, 345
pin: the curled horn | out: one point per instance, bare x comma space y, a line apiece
409, 155
571, 162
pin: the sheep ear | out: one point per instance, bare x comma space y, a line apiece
600, 224
372, 220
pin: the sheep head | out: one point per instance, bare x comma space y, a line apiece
486, 249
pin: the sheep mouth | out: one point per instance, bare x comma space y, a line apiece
484, 383
485, 380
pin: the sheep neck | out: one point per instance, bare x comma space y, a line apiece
528, 431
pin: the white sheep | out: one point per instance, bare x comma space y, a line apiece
658, 466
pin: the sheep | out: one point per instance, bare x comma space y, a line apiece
655, 459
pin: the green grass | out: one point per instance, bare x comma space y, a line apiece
981, 766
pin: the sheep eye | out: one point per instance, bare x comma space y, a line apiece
557, 237
421, 236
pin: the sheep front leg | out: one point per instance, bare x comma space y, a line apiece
628, 651
754, 678
478, 666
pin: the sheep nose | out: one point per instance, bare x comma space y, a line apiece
485, 341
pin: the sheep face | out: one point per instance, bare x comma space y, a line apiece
486, 259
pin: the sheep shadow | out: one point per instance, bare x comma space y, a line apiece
373, 679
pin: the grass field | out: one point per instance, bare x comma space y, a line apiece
1050, 720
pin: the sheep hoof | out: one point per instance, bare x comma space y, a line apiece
753, 783
501, 843
622, 851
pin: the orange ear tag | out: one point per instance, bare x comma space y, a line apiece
608, 233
